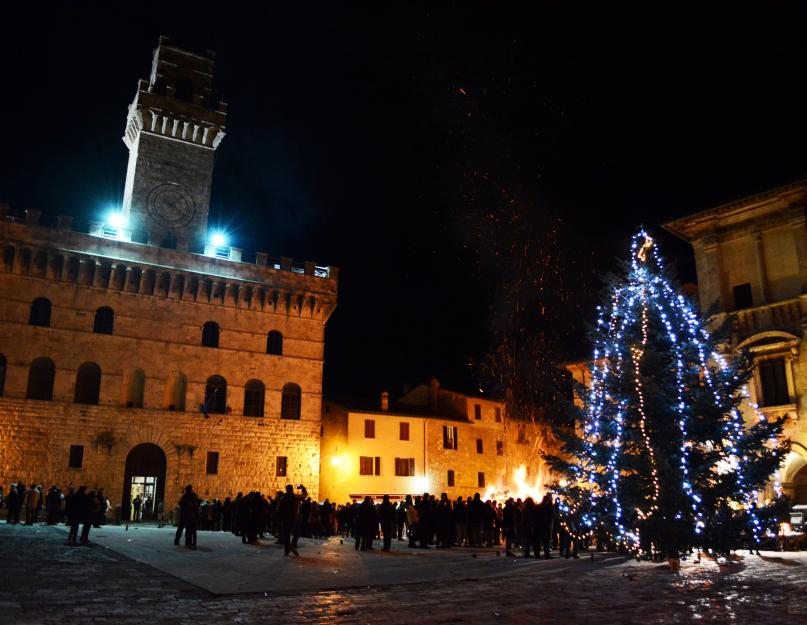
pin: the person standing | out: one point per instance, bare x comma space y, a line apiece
148, 509
288, 510
13, 505
136, 504
88, 514
509, 525
387, 515
542, 527
53, 505
188, 511
412, 520
78, 504
160, 513
103, 506
31, 504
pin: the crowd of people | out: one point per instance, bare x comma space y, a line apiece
78, 507
423, 521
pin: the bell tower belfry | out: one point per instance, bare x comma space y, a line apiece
172, 132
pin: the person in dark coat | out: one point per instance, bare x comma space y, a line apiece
526, 532
226, 515
53, 505
13, 505
288, 511
188, 517
103, 506
544, 514
476, 516
509, 525
88, 512
444, 523
368, 524
387, 515
78, 506
245, 519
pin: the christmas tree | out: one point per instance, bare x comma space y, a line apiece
663, 456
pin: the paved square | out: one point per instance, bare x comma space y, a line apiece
45, 582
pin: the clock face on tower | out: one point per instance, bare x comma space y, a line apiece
170, 205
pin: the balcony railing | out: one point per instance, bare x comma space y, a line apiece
783, 316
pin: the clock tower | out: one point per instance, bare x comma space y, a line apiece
172, 132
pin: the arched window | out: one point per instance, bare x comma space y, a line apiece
2, 374
104, 320
40, 313
40, 379
210, 334
134, 383
88, 383
253, 398
174, 396
216, 395
290, 403
274, 343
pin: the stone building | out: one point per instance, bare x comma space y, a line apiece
751, 258
141, 356
431, 439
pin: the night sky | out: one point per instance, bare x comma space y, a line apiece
371, 135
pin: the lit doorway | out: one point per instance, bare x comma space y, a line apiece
144, 476
144, 487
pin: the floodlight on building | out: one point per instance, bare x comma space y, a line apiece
336, 460
422, 484
116, 219
219, 239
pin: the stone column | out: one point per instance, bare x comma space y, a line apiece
798, 227
762, 276
710, 275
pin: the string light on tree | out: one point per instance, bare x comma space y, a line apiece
664, 457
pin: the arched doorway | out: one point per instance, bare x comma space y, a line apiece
800, 487
144, 476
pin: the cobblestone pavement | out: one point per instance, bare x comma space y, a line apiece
44, 581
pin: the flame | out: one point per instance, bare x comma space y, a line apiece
519, 486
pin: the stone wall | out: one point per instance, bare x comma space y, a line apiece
35, 440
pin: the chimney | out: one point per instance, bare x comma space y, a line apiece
385, 401
434, 388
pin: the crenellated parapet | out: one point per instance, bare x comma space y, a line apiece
304, 290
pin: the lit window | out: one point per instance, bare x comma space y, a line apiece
404, 467
449, 437
280, 466
365, 465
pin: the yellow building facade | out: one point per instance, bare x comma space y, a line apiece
430, 440
751, 258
